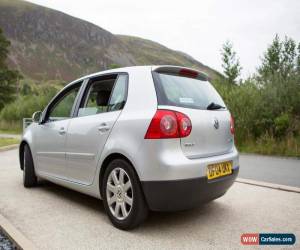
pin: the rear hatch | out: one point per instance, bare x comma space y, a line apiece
190, 92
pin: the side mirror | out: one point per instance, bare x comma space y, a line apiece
36, 116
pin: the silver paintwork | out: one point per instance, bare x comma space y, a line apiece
71, 152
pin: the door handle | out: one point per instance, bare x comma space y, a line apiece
62, 131
103, 127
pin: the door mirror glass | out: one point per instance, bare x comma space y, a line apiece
36, 116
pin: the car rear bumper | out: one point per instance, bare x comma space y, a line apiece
185, 194
164, 160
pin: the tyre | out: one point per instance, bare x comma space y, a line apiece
122, 195
29, 177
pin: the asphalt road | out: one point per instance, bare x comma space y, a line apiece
279, 170
53, 217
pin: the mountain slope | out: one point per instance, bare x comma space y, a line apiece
48, 44
149, 52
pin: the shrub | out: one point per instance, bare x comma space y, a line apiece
281, 123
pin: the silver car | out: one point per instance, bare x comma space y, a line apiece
139, 138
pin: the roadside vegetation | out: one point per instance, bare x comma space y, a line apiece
31, 97
8, 141
265, 106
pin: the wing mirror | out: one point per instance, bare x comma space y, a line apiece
37, 116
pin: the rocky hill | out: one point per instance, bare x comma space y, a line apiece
48, 44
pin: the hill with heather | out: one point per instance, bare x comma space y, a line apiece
48, 44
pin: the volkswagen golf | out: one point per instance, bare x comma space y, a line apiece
140, 138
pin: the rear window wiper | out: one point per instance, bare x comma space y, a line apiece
213, 106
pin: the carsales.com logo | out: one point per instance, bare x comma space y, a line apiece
268, 239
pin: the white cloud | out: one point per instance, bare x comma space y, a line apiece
196, 27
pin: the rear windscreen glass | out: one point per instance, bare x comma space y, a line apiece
185, 92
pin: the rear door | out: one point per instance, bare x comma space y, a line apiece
194, 96
101, 105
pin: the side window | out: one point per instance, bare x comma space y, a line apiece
118, 97
104, 95
63, 107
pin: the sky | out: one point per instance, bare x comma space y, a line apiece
196, 27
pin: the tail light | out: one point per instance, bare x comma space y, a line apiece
169, 124
231, 125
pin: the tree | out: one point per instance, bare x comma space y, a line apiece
8, 78
280, 59
298, 60
231, 64
278, 77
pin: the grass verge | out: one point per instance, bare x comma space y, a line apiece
8, 141
10, 127
268, 145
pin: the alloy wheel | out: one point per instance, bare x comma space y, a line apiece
119, 193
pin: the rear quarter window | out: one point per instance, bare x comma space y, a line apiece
182, 91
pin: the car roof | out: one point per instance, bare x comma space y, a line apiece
135, 68
116, 70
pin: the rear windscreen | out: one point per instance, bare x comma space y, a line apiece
181, 91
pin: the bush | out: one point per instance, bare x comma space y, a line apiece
266, 115
24, 106
282, 123
34, 98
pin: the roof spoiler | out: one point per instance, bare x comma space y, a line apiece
177, 70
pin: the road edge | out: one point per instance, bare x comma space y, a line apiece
9, 147
268, 185
15, 235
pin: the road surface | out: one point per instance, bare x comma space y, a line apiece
53, 217
279, 170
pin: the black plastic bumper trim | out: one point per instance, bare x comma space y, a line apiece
185, 194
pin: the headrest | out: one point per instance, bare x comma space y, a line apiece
102, 98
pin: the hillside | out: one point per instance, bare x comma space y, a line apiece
48, 44
149, 52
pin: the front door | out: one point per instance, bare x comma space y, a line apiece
51, 135
87, 133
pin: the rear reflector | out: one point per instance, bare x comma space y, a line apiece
188, 73
168, 124
232, 125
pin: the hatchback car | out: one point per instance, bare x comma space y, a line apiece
140, 138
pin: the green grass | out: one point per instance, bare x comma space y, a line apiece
8, 141
10, 131
10, 127
268, 145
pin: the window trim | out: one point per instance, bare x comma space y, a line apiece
86, 86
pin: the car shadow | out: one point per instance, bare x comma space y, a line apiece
72, 196
162, 220
179, 220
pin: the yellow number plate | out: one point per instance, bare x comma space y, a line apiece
219, 169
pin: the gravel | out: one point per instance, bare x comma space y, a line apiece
5, 243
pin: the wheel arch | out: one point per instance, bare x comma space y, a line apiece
105, 164
21, 153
